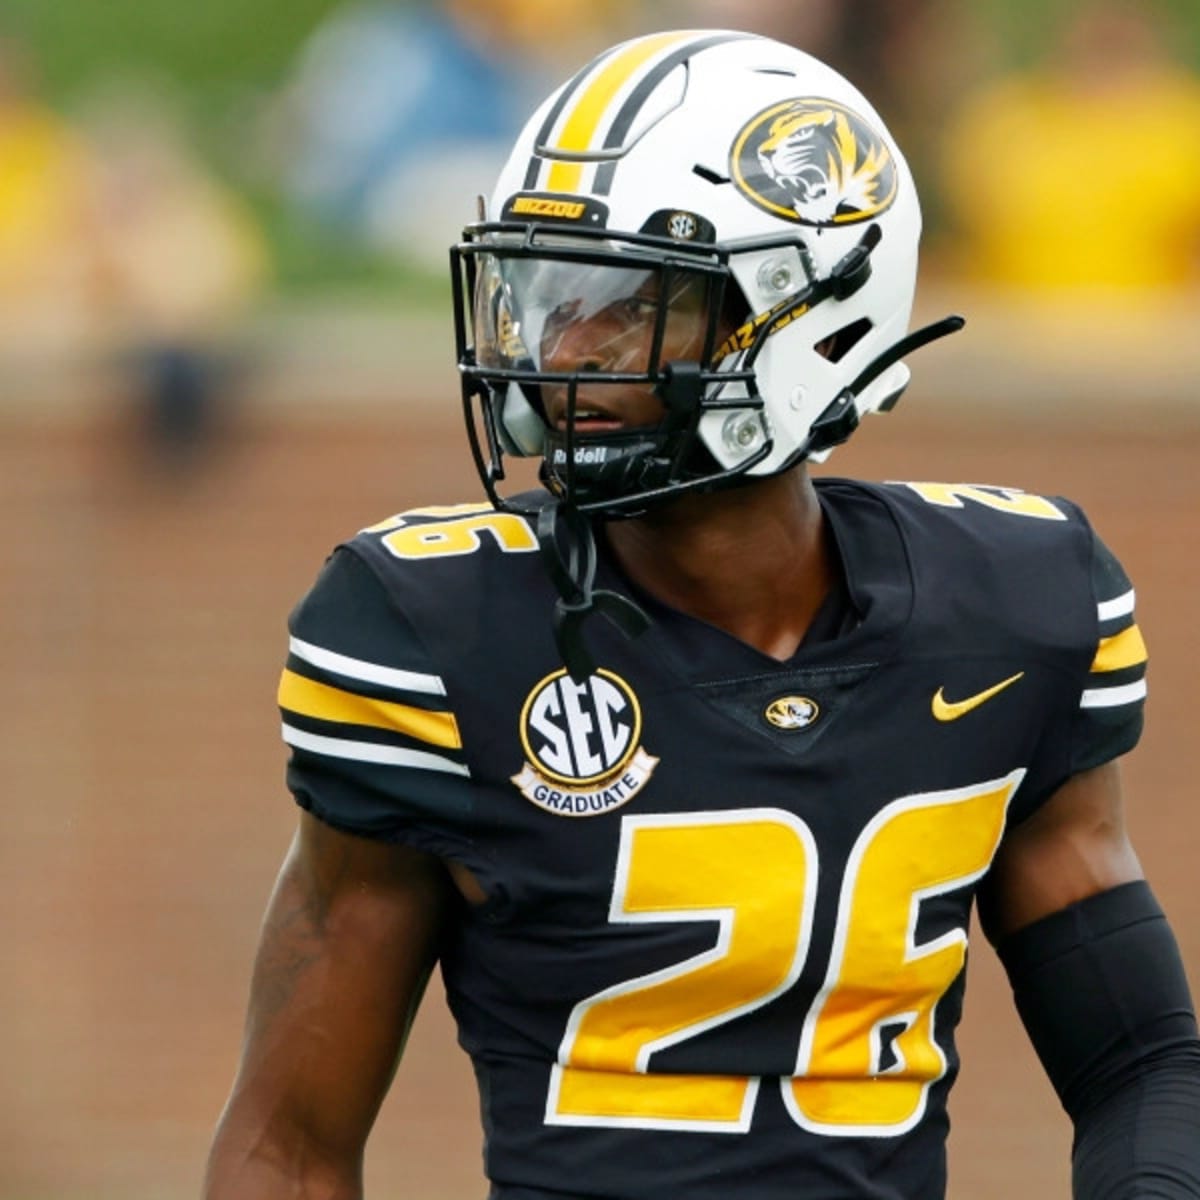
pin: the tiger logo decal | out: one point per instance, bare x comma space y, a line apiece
814, 162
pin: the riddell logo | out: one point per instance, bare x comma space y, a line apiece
585, 456
581, 743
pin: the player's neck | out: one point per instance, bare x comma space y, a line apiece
754, 561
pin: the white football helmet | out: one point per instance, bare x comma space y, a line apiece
748, 204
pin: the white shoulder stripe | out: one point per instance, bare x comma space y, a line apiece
371, 752
1112, 697
357, 668
1120, 606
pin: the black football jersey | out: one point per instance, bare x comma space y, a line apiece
723, 945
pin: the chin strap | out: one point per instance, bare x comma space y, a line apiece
573, 577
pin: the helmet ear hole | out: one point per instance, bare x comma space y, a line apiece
837, 345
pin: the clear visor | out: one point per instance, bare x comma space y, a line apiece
556, 316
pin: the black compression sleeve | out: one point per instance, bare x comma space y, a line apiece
1102, 992
1142, 1140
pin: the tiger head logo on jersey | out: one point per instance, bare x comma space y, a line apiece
792, 712
814, 162
582, 743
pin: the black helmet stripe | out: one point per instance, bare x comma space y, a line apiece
638, 97
589, 90
569, 89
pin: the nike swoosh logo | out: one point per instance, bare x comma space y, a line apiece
951, 710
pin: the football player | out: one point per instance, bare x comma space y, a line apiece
687, 768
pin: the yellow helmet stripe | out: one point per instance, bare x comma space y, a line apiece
589, 102
581, 124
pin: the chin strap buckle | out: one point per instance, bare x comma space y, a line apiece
854, 268
838, 421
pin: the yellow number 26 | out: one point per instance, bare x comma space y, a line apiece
753, 873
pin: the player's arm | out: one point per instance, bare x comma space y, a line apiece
347, 945
1101, 989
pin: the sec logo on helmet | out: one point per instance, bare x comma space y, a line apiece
582, 745
813, 162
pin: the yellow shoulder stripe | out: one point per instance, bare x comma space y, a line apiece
1124, 649
310, 699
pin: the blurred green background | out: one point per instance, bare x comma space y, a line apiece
222, 64
218, 64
